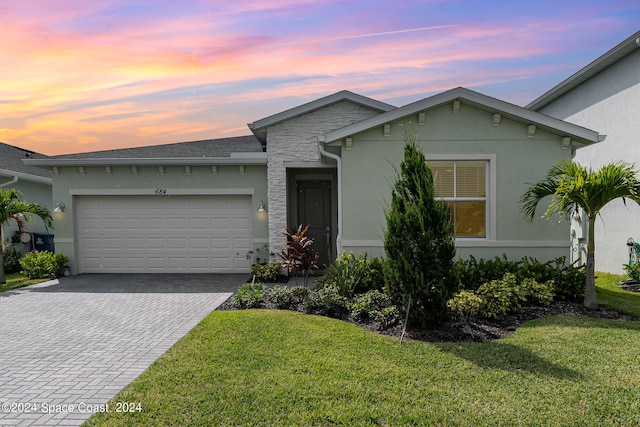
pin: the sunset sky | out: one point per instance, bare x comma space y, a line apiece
85, 75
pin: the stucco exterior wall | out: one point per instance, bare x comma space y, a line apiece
293, 144
174, 179
608, 103
514, 160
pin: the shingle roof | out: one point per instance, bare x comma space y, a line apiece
11, 161
222, 147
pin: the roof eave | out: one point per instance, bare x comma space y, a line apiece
236, 159
610, 57
26, 176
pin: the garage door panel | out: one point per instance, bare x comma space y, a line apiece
164, 234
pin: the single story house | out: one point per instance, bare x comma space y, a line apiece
35, 185
201, 206
604, 95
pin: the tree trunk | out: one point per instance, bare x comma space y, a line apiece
590, 297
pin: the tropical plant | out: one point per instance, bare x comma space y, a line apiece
298, 255
420, 274
354, 274
574, 187
633, 271
14, 207
250, 295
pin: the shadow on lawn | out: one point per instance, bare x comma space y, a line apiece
508, 357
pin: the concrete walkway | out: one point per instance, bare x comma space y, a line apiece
68, 346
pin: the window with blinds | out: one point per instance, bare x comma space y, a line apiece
462, 185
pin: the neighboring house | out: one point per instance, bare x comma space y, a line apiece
604, 95
200, 206
35, 185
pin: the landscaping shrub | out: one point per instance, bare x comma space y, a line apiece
500, 296
538, 293
298, 256
11, 259
418, 243
286, 298
465, 304
353, 274
633, 271
41, 264
249, 296
569, 281
265, 272
366, 306
326, 300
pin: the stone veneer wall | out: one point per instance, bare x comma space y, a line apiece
295, 141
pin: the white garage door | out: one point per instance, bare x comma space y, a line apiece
163, 234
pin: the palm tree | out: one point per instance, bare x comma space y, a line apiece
574, 187
13, 206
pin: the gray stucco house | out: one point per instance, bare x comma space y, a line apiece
34, 183
604, 95
200, 206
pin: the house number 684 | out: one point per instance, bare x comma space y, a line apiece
161, 191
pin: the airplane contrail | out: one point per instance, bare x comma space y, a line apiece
359, 36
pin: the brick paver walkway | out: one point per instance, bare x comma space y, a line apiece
67, 347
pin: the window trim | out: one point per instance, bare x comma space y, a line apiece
490, 206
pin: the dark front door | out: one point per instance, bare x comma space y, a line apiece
314, 209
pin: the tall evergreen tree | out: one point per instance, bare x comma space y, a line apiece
418, 243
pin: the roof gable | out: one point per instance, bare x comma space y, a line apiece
259, 127
609, 58
476, 100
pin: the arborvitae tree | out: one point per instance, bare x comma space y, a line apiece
418, 243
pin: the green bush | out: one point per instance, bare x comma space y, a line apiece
286, 298
265, 272
500, 296
41, 264
249, 296
11, 259
569, 281
465, 304
327, 301
376, 306
367, 306
538, 293
353, 274
633, 271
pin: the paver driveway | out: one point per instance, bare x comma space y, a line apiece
67, 347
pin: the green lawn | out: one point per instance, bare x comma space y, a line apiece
259, 367
18, 280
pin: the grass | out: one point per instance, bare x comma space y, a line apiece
18, 280
259, 367
611, 294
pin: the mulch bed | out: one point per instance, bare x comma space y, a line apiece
477, 329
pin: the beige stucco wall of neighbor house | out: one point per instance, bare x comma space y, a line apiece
293, 144
33, 192
72, 182
608, 103
514, 160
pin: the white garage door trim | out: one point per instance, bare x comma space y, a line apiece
164, 234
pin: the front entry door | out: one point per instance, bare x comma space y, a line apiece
314, 209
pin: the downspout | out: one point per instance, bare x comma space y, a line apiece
338, 160
13, 181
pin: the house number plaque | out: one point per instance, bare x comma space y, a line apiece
161, 191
